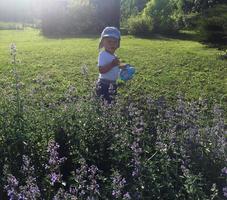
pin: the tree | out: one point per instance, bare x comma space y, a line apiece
79, 16
213, 24
51, 20
131, 7
164, 14
108, 12
199, 5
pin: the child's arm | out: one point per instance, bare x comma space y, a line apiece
104, 69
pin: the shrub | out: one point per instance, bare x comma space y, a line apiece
82, 18
190, 21
140, 25
213, 24
163, 14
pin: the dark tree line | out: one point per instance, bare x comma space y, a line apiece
207, 17
72, 17
199, 5
108, 11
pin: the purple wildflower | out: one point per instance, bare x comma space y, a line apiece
30, 190
55, 177
126, 196
12, 187
137, 151
86, 181
224, 171
80, 178
93, 188
13, 52
54, 162
62, 194
135, 146
27, 169
118, 185
136, 158
54, 159
73, 190
224, 191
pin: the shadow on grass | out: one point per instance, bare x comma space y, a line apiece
70, 36
182, 35
185, 35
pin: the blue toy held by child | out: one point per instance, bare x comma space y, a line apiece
127, 72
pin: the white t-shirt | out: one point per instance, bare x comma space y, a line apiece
104, 59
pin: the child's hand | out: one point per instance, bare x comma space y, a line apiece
115, 62
122, 65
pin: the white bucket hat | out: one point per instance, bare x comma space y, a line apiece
110, 31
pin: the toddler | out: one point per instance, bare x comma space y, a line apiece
108, 64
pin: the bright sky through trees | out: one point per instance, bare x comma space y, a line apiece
20, 10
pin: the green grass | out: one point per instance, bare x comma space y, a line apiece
165, 67
10, 26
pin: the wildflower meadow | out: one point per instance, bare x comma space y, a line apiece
163, 133
79, 147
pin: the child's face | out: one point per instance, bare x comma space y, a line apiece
110, 44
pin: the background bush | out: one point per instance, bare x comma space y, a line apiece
190, 21
213, 24
163, 14
140, 25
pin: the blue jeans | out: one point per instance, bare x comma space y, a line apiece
106, 89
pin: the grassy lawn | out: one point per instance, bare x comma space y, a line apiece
164, 66
10, 26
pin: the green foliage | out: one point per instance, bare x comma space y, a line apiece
201, 5
213, 24
163, 14
168, 16
10, 26
82, 18
191, 11
131, 7
198, 6
140, 25
108, 12
191, 20
79, 17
